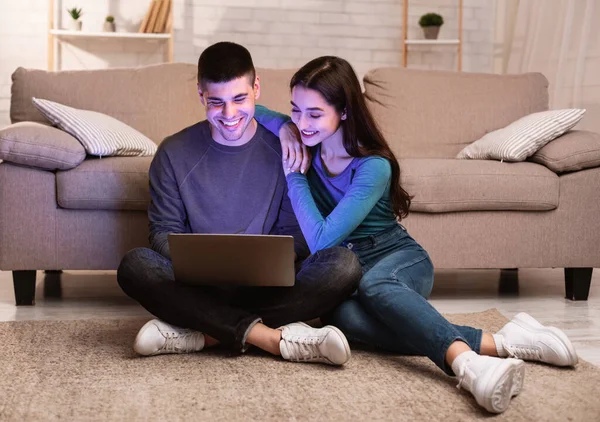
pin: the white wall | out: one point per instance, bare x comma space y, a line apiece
278, 33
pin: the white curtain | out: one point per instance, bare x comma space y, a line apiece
561, 39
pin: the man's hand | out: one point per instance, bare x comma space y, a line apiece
295, 155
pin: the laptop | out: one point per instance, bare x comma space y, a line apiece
233, 259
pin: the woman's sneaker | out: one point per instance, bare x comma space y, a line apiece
492, 381
525, 338
157, 337
302, 343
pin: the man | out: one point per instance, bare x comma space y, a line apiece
224, 175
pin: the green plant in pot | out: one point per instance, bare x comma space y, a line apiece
109, 24
75, 15
431, 22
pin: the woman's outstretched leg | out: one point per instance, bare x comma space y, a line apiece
492, 381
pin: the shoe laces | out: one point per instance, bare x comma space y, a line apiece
519, 352
303, 349
182, 341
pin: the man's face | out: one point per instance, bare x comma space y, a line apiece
230, 109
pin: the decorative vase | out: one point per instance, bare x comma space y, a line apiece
431, 32
109, 27
75, 25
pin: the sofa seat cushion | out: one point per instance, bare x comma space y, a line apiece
449, 185
437, 184
111, 183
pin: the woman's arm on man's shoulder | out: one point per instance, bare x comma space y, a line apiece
294, 154
270, 119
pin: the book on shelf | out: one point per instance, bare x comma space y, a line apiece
153, 16
144, 23
169, 19
163, 13
157, 19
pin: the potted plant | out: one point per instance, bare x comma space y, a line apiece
75, 14
109, 24
431, 22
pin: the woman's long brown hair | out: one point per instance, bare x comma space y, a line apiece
337, 82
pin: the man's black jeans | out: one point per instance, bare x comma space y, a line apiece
323, 281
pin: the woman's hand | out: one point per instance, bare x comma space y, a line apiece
295, 155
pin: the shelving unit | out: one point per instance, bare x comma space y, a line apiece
448, 42
57, 36
65, 33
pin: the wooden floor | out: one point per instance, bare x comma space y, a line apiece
84, 295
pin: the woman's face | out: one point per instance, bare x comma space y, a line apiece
316, 119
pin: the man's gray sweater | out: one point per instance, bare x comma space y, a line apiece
200, 186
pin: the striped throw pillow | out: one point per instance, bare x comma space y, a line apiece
523, 138
99, 134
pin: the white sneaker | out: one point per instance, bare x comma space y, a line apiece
157, 337
525, 338
492, 381
302, 343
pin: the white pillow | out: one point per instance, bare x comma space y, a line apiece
99, 134
524, 137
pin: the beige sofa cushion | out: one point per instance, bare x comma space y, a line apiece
436, 113
37, 145
447, 185
111, 183
156, 100
438, 185
275, 89
575, 150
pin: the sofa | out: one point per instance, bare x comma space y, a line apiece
78, 212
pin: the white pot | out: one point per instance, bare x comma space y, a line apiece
109, 27
75, 25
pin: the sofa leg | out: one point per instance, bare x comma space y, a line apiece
577, 283
24, 285
52, 284
509, 282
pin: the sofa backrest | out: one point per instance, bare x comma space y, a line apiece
423, 114
157, 100
275, 89
435, 114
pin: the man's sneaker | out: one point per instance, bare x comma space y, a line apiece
492, 381
302, 343
157, 337
525, 338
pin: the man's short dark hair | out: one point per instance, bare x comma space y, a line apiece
224, 62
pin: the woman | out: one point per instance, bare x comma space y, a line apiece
351, 196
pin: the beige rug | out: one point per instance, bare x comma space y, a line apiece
86, 370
